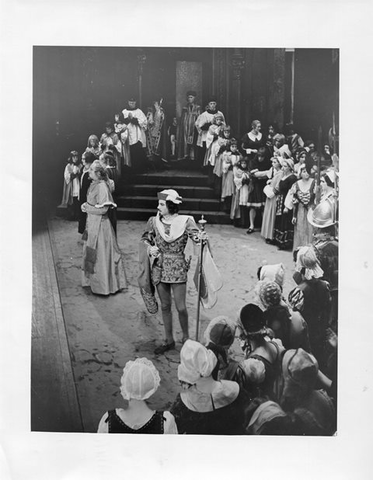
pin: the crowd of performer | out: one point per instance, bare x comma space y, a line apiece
285, 382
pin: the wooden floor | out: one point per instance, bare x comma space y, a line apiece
54, 402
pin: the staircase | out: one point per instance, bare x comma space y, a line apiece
138, 200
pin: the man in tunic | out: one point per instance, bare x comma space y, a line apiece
203, 123
136, 122
187, 134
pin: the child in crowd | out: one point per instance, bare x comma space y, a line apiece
121, 129
294, 140
70, 195
230, 158
239, 209
223, 141
108, 138
85, 181
272, 131
93, 146
171, 132
212, 145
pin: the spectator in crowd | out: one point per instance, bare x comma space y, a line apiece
280, 147
202, 124
172, 137
302, 193
109, 141
230, 158
293, 139
212, 144
71, 186
239, 209
262, 354
312, 299
85, 181
136, 122
122, 130
311, 410
284, 229
253, 140
272, 130
93, 146
206, 406
140, 380
323, 219
259, 166
269, 215
187, 133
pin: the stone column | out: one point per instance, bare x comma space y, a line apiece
237, 63
141, 58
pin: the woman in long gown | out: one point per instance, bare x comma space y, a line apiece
102, 268
303, 198
269, 214
284, 229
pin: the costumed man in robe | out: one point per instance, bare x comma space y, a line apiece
136, 121
156, 134
187, 133
203, 123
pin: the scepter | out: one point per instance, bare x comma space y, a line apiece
202, 224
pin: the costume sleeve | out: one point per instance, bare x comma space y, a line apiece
103, 426
66, 174
148, 236
142, 119
192, 230
103, 196
296, 299
170, 427
199, 122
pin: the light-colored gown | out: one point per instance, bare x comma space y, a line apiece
102, 268
269, 214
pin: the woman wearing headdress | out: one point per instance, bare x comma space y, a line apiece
163, 264
284, 228
206, 406
103, 269
262, 354
312, 298
140, 380
303, 197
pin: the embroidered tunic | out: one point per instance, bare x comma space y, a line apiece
172, 262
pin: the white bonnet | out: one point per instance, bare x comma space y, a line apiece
196, 361
140, 379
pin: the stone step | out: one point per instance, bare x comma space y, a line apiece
127, 213
150, 202
171, 179
152, 190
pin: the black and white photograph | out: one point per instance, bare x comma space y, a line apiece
188, 201
182, 207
